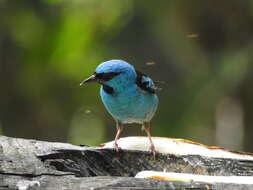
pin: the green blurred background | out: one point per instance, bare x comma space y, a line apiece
202, 50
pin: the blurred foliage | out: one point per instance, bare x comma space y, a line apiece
201, 49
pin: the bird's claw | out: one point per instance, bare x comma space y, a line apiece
152, 149
116, 147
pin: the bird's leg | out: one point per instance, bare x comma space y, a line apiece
119, 127
146, 127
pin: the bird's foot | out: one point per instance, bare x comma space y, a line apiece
152, 149
116, 147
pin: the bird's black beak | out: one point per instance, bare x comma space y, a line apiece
92, 78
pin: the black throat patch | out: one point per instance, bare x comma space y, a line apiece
108, 89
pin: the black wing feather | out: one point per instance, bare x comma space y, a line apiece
146, 85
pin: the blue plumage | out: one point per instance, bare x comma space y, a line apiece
128, 95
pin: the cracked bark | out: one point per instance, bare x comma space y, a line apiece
46, 165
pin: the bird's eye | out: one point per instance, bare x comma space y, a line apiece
106, 76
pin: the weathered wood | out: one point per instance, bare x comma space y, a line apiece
46, 165
108, 183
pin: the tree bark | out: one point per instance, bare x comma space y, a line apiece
31, 164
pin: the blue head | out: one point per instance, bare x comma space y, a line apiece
117, 74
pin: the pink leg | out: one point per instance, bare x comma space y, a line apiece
147, 130
119, 127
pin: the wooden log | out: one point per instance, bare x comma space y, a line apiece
31, 164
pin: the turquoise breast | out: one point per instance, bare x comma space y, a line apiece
133, 105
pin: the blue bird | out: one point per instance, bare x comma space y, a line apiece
128, 95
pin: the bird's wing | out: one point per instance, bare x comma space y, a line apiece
145, 83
